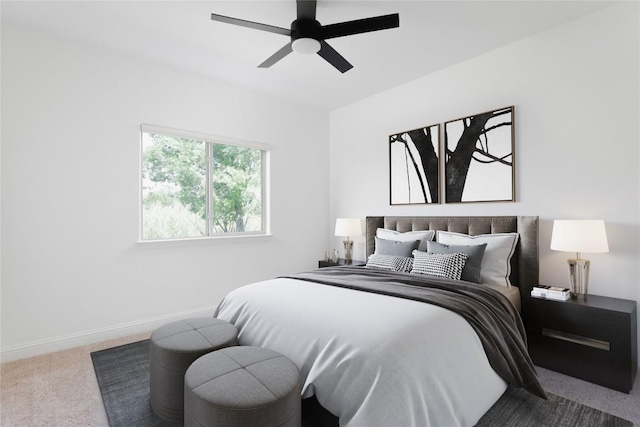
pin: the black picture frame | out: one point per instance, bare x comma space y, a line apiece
414, 166
480, 157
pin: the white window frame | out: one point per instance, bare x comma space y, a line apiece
210, 139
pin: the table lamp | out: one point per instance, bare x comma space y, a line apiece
348, 227
579, 236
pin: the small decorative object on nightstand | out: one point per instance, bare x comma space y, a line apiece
550, 292
348, 227
341, 261
593, 339
579, 236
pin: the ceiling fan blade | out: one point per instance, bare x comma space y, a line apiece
306, 9
360, 26
286, 49
250, 24
334, 58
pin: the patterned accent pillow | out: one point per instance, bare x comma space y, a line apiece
390, 262
440, 265
471, 271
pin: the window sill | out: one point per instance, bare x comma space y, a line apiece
202, 241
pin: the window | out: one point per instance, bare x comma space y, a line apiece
196, 185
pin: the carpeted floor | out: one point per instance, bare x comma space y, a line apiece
123, 378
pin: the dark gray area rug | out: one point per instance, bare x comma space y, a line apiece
123, 378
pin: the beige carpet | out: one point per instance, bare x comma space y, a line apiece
56, 389
60, 390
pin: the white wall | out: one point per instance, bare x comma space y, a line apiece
576, 94
72, 270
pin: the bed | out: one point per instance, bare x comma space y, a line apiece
381, 348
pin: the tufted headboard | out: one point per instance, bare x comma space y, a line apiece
524, 263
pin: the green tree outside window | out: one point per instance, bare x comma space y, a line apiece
178, 201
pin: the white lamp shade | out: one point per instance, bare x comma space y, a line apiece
579, 236
348, 227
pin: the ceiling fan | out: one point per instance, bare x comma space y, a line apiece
308, 35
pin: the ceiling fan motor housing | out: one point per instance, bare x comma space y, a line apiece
305, 29
305, 36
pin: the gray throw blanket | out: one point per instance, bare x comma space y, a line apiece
490, 314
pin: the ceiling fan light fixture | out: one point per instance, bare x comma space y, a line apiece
308, 36
305, 45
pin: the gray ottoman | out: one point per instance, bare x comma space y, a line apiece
241, 387
175, 346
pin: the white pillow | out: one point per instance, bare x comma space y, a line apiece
496, 263
422, 235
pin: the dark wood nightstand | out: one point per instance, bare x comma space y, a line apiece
594, 339
341, 261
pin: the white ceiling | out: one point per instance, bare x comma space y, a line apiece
432, 35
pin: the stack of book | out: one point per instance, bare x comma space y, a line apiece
550, 292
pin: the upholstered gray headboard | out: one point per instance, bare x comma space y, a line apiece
524, 263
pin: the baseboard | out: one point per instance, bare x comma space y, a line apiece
64, 342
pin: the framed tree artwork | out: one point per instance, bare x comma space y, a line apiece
414, 159
479, 157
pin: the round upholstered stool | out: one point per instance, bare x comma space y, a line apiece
175, 346
242, 386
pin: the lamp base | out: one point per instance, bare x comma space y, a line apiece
579, 277
348, 250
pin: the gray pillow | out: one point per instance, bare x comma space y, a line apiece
408, 236
471, 271
395, 247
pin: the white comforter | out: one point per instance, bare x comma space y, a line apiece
370, 359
